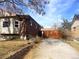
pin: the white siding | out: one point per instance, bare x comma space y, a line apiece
75, 24
75, 29
16, 29
0, 26
11, 29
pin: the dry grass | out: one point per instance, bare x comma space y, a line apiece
31, 53
74, 44
9, 46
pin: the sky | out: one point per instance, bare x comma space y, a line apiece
55, 11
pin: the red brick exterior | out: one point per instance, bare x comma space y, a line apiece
52, 34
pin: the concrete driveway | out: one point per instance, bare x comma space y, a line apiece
53, 49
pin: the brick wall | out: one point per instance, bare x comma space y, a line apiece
52, 34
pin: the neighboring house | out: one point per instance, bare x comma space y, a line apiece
51, 33
75, 27
18, 25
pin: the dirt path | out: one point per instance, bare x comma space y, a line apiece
53, 49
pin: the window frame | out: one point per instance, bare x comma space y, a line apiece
16, 24
6, 23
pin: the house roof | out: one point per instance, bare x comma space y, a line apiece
16, 16
76, 17
48, 29
20, 17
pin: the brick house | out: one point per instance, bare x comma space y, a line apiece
18, 25
51, 33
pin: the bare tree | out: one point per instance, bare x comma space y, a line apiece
65, 29
37, 5
66, 24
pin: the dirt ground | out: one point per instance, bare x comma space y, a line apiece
52, 49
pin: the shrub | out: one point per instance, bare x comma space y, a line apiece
66, 34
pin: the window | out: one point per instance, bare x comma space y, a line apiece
74, 28
36, 26
30, 22
16, 23
6, 23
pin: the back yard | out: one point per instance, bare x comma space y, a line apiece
7, 47
74, 44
